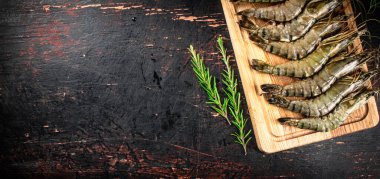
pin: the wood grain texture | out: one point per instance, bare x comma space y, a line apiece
270, 135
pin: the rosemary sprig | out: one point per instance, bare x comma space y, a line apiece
208, 83
233, 96
233, 100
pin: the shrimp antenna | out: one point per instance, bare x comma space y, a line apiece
341, 18
352, 95
374, 83
358, 5
330, 19
355, 50
354, 78
369, 35
344, 35
340, 56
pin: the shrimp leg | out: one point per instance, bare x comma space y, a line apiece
326, 102
322, 81
334, 119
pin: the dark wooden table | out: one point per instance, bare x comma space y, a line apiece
94, 88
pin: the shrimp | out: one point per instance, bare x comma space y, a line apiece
281, 12
334, 119
302, 47
326, 102
322, 81
296, 28
265, 1
313, 62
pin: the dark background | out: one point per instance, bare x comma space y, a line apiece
92, 92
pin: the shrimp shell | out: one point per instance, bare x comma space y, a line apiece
313, 62
334, 119
296, 28
326, 102
302, 47
322, 81
281, 12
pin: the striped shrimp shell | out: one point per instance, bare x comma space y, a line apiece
332, 120
323, 104
322, 81
280, 12
296, 28
312, 63
302, 47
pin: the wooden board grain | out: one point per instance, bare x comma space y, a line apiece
270, 135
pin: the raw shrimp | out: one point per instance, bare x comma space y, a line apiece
313, 62
322, 81
302, 47
296, 28
326, 102
281, 12
334, 119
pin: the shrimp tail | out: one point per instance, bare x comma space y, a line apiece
247, 24
311, 123
260, 65
288, 121
242, 13
271, 88
278, 101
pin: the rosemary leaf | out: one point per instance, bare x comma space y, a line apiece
208, 83
233, 96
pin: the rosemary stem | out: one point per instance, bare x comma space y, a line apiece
208, 83
233, 96
232, 102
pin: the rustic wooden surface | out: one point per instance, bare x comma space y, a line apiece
270, 135
105, 89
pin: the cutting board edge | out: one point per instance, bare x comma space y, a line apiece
275, 150
372, 121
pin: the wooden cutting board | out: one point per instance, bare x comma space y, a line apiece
270, 135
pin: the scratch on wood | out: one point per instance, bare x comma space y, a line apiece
211, 22
114, 6
181, 14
